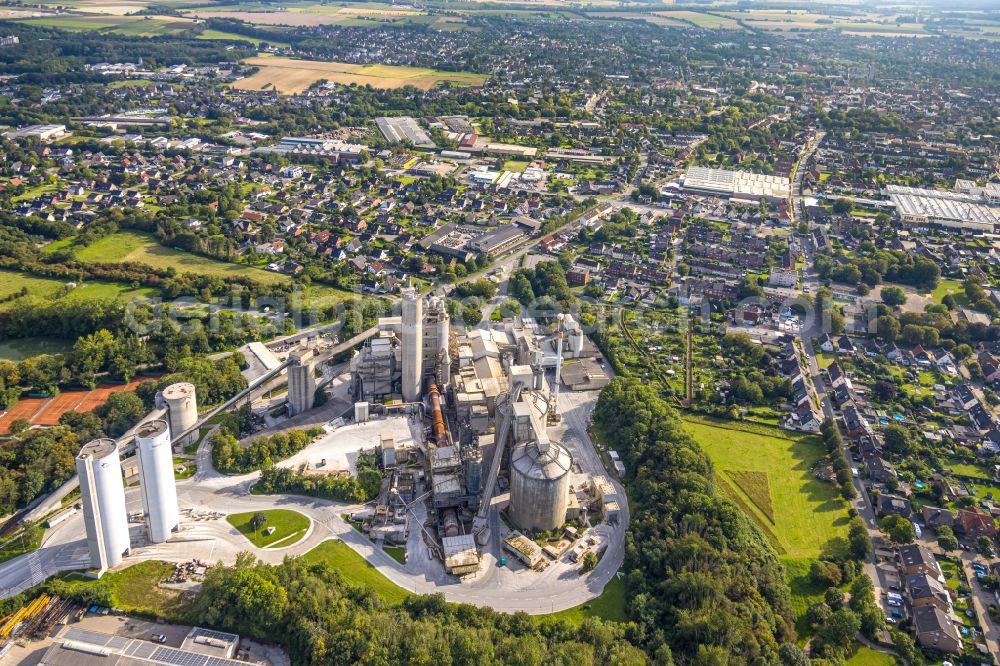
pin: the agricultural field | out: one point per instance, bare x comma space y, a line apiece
153, 26
355, 569
290, 76
289, 527
232, 36
126, 246
309, 14
766, 472
702, 19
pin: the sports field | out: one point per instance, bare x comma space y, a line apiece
46, 411
142, 248
767, 476
289, 76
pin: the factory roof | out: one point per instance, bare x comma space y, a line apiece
79, 647
946, 209
736, 183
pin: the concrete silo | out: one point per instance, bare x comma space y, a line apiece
102, 492
301, 380
413, 344
156, 479
182, 410
539, 484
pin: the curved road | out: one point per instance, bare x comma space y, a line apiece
207, 496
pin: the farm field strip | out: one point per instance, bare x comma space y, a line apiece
291, 76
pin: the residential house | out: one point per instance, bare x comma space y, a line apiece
974, 523
915, 559
927, 591
935, 517
887, 505
935, 630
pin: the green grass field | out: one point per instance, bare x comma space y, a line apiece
143, 248
289, 527
808, 513
804, 591
946, 287
232, 36
22, 348
136, 589
868, 657
609, 606
11, 282
355, 569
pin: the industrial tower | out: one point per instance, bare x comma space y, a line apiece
156, 479
102, 493
413, 337
301, 380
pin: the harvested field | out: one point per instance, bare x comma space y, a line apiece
757, 489
289, 76
46, 411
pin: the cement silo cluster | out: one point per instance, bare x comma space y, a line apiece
102, 492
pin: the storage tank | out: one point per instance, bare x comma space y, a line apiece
182, 410
156, 479
102, 493
539, 485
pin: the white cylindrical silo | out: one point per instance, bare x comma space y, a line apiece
182, 410
102, 492
156, 479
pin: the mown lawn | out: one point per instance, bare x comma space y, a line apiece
808, 513
287, 524
355, 569
868, 657
609, 606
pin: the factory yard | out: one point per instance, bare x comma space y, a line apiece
340, 447
289, 76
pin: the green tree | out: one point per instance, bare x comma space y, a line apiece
898, 529
893, 296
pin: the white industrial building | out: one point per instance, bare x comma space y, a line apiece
156, 480
963, 210
44, 133
102, 493
737, 184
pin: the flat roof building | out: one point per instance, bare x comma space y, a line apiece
954, 210
740, 184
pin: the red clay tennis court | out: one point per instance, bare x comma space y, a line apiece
46, 411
